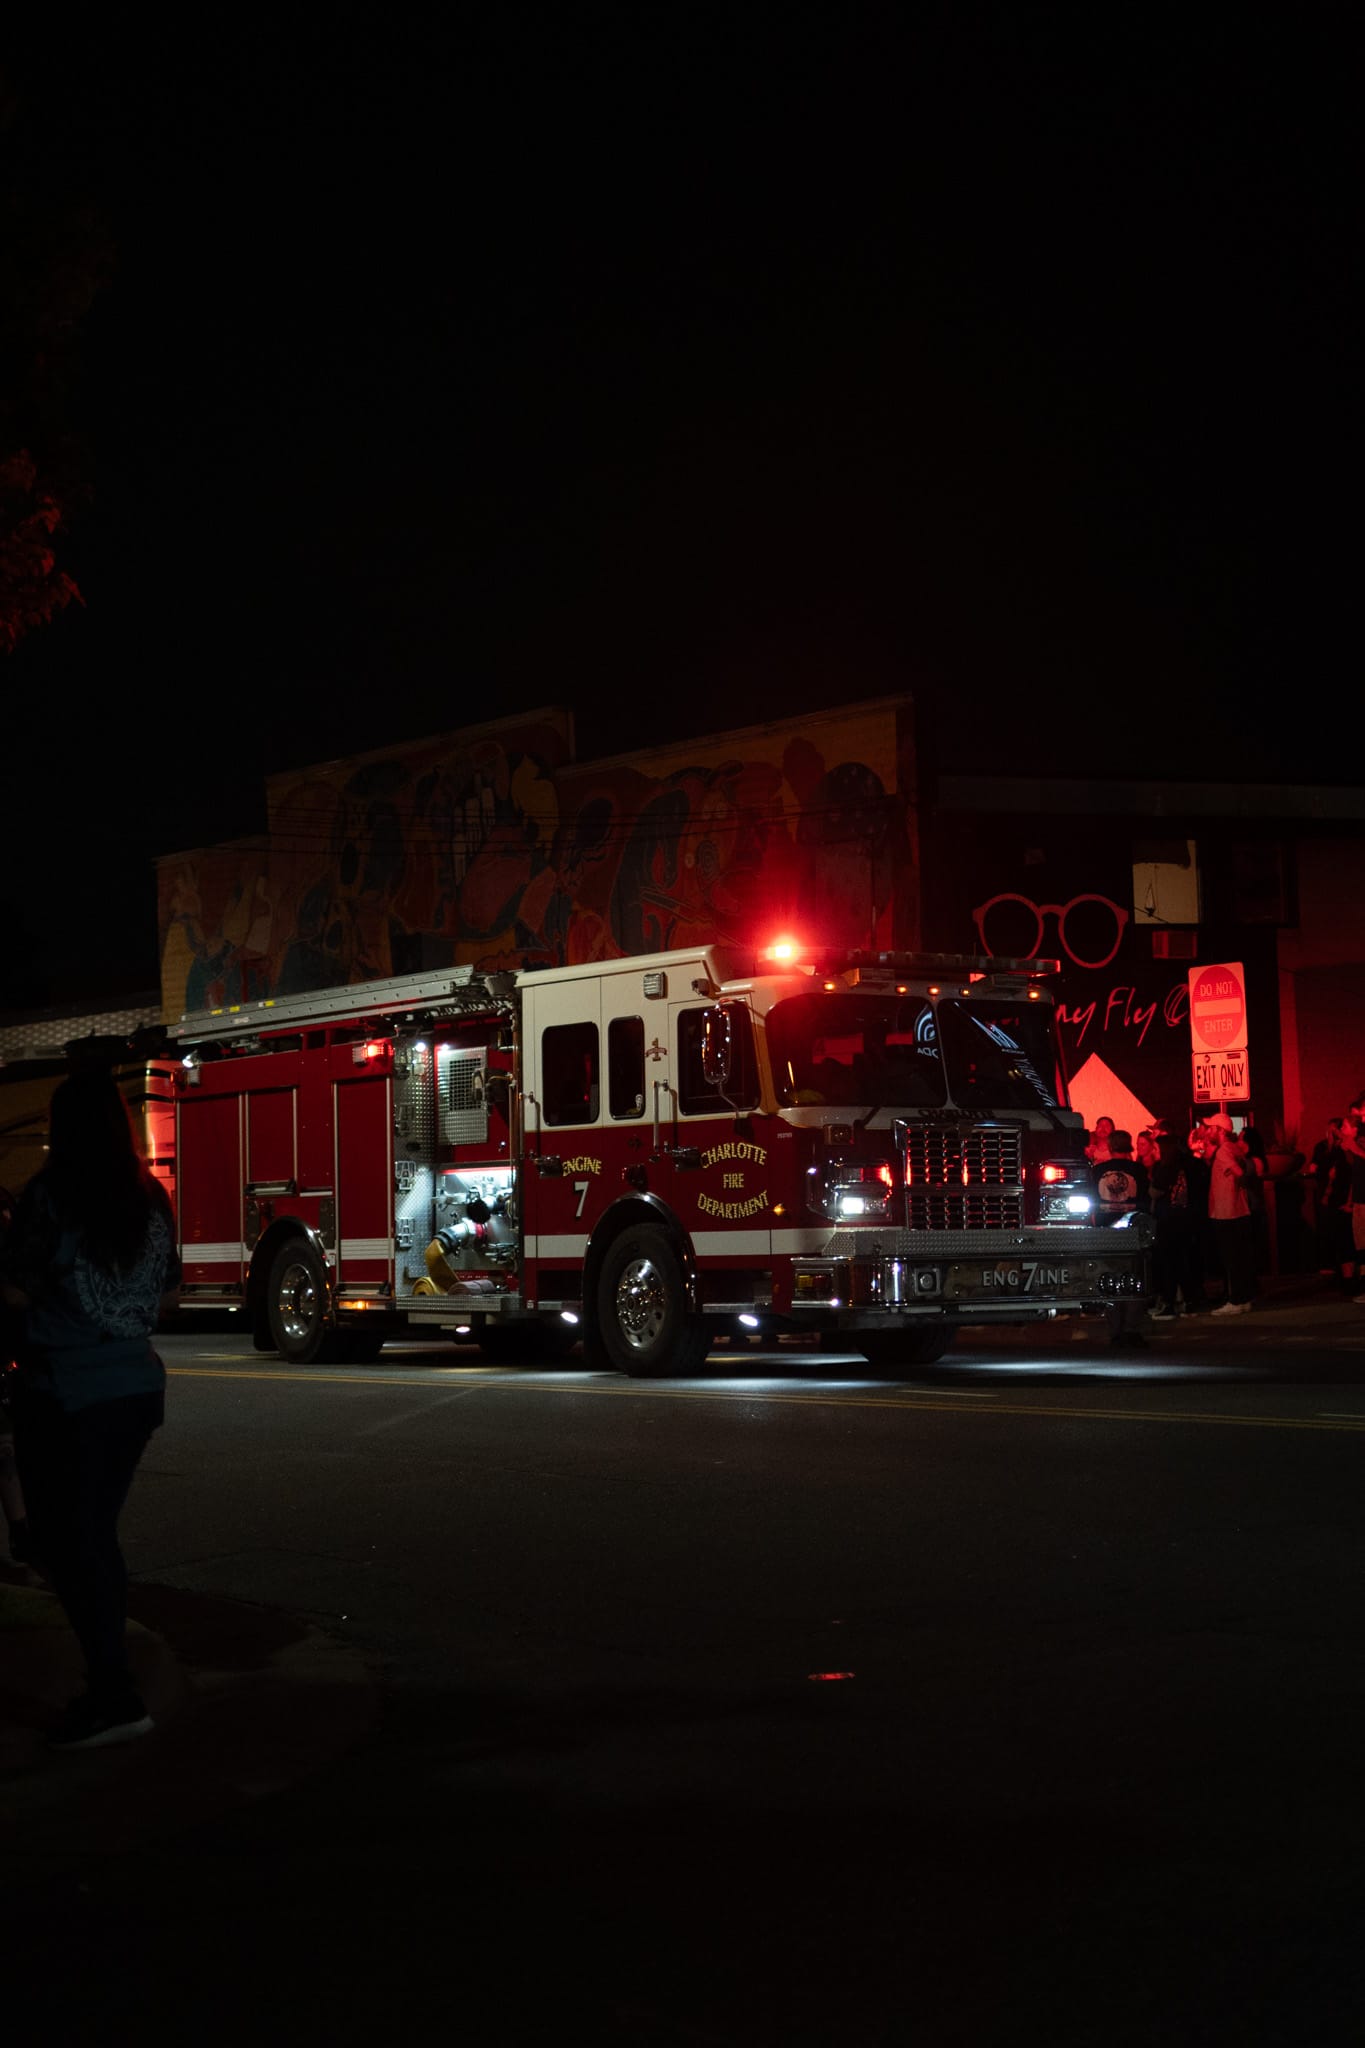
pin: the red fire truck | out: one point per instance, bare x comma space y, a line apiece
641, 1153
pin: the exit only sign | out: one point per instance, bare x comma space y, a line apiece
1221, 1076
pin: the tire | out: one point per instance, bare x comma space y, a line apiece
527, 1343
901, 1351
642, 1315
296, 1305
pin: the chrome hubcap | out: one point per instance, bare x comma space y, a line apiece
297, 1302
641, 1303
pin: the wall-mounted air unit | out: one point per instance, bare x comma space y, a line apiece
1165, 882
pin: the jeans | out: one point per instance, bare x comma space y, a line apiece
76, 1468
1237, 1251
1175, 1259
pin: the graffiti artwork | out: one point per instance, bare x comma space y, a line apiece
494, 847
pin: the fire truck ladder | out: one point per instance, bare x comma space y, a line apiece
456, 989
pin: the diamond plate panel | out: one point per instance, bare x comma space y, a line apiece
464, 1104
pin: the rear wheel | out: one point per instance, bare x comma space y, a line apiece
296, 1305
643, 1319
527, 1343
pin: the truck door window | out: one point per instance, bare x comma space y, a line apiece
626, 1066
695, 1095
569, 1074
1002, 1055
854, 1050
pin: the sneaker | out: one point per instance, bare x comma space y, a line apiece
1358, 1298
1163, 1315
85, 1725
1233, 1308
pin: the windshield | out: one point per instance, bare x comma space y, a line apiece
850, 1051
1002, 1055
858, 1051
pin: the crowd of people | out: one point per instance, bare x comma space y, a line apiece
1205, 1191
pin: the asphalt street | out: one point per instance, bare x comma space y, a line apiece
780, 1705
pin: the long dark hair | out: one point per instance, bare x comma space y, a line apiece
98, 1184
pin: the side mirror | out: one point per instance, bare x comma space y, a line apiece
717, 1047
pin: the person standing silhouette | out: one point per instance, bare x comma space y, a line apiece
90, 1254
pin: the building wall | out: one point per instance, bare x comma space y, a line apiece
1322, 961
494, 846
1062, 885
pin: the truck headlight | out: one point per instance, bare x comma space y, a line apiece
847, 1193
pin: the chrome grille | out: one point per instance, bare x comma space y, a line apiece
963, 1177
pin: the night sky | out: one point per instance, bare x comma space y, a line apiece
688, 371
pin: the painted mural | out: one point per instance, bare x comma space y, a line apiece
494, 847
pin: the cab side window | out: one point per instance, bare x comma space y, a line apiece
626, 1066
569, 1083
695, 1096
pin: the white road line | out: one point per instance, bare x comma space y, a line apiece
414, 1414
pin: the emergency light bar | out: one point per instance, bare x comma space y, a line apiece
949, 966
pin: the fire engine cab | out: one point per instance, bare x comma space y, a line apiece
872, 1147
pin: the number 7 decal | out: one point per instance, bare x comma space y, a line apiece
580, 1188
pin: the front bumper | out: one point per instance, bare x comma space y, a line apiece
866, 1279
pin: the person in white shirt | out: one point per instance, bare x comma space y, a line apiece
1230, 1213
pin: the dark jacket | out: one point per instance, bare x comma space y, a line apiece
85, 1335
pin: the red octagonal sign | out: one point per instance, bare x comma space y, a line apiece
1218, 1007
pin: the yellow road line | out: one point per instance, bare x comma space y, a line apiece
906, 1403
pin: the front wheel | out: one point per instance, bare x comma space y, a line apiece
644, 1322
894, 1351
296, 1306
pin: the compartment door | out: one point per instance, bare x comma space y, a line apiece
209, 1172
364, 1180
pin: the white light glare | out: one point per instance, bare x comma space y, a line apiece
749, 1322
420, 1045
851, 1205
463, 1329
1077, 1205
188, 1060
566, 1315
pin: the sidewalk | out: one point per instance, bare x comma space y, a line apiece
1305, 1301
246, 1702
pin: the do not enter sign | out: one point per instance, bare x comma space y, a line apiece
1218, 1007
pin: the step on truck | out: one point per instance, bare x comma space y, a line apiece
871, 1148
